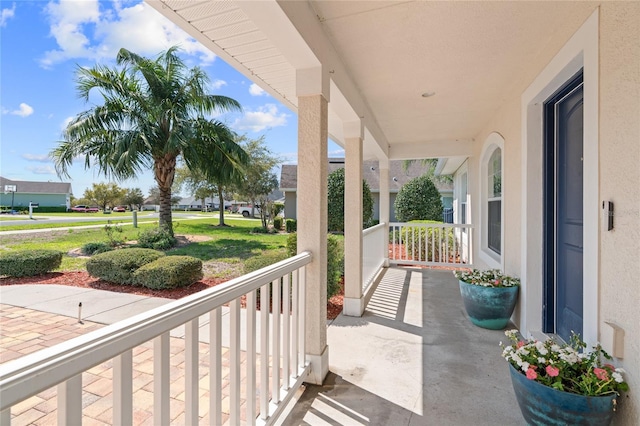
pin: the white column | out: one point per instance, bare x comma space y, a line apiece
313, 96
385, 207
353, 299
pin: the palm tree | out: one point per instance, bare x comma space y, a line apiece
152, 113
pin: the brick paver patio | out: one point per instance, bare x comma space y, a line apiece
23, 331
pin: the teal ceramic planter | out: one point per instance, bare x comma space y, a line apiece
489, 307
545, 406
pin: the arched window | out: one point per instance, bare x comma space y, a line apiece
494, 201
491, 208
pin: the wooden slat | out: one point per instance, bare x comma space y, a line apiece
191, 361
215, 366
123, 389
286, 337
161, 380
264, 351
70, 401
295, 315
251, 358
234, 363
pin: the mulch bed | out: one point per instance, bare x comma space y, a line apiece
83, 279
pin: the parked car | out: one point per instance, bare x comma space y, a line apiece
85, 209
119, 209
246, 211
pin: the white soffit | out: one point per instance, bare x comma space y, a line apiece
253, 37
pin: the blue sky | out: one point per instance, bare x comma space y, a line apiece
42, 43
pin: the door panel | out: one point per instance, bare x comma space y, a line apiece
563, 210
569, 213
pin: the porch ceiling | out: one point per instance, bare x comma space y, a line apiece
385, 54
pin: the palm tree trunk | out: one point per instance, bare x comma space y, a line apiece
165, 169
221, 206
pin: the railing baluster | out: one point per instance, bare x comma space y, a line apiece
191, 355
251, 358
302, 312
275, 342
286, 338
160, 379
123, 388
5, 417
215, 366
264, 351
294, 318
70, 401
406, 242
426, 231
234, 363
440, 251
433, 246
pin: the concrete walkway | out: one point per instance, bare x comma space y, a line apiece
413, 358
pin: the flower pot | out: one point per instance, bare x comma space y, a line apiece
542, 405
489, 307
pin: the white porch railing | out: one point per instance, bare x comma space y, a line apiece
430, 244
373, 253
280, 354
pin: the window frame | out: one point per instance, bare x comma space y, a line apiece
488, 254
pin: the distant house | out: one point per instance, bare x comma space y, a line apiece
46, 194
398, 176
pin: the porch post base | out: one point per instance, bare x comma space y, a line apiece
319, 367
353, 307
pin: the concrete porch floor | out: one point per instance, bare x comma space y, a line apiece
413, 358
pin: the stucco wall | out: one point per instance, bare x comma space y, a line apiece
620, 182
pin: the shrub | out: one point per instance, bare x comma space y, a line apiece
169, 272
291, 225
263, 230
156, 238
335, 260
335, 196
118, 266
277, 223
90, 249
264, 259
428, 243
418, 199
29, 263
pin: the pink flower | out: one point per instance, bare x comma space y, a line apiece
552, 371
601, 373
520, 344
531, 374
610, 367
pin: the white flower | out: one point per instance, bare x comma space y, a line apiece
517, 359
542, 360
541, 348
525, 366
620, 370
555, 348
511, 333
617, 377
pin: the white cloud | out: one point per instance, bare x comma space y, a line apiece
6, 14
216, 84
83, 31
337, 153
264, 117
66, 122
42, 158
24, 110
256, 90
42, 170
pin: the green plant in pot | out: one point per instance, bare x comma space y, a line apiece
560, 383
489, 296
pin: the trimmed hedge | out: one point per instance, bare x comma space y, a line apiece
118, 266
418, 199
291, 225
156, 238
277, 223
169, 272
266, 258
335, 198
29, 263
335, 260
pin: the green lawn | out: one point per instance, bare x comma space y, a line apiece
223, 252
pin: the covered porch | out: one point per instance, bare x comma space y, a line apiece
413, 358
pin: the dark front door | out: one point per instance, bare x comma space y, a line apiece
564, 210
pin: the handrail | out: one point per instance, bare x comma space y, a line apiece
33, 373
374, 228
432, 225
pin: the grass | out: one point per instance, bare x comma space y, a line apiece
227, 245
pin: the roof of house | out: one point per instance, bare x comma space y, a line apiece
29, 187
398, 176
